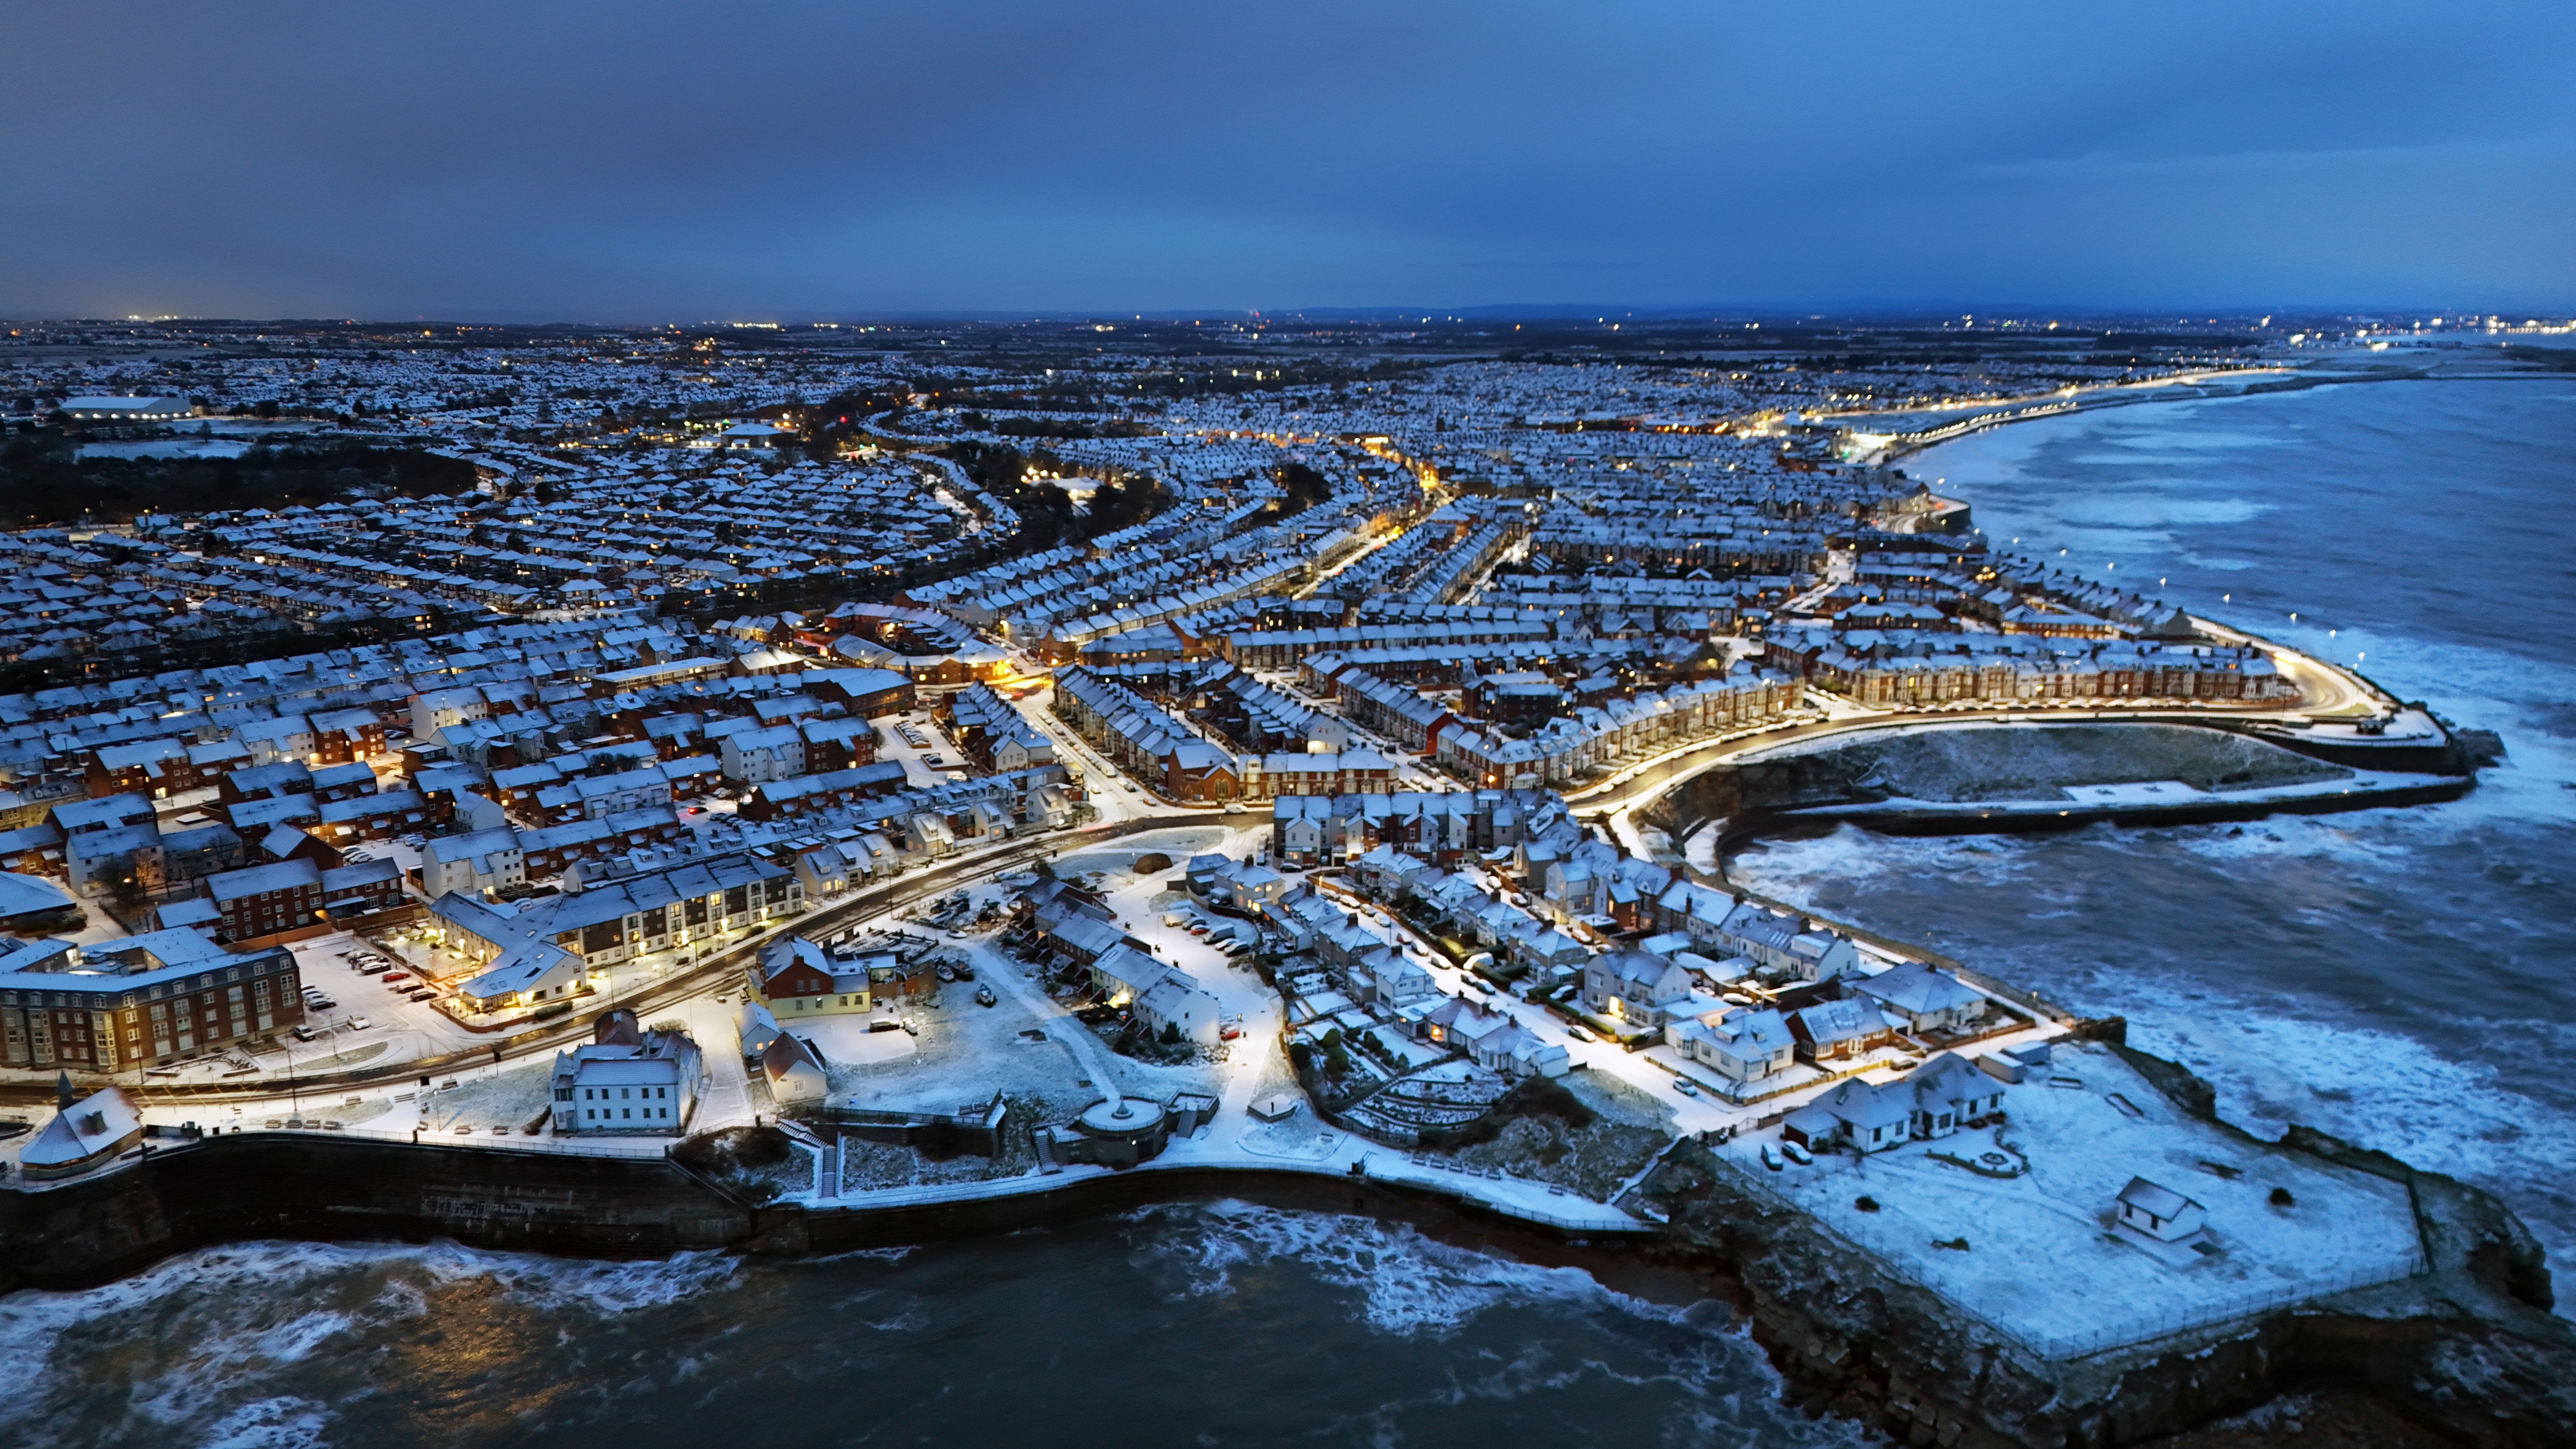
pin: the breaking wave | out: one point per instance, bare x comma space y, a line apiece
1408, 1284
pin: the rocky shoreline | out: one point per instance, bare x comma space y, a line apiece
2467, 1353
2464, 1354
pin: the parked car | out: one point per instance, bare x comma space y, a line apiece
1796, 1154
1684, 1087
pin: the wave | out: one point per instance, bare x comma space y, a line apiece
1409, 1284
192, 1349
1688, 1374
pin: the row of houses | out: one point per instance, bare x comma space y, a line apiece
1067, 927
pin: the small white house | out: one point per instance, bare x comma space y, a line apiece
2159, 1212
794, 1072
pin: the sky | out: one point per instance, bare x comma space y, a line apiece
645, 162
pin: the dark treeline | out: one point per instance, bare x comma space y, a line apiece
1047, 514
43, 481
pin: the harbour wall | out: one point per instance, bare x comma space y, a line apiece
237, 1188
1933, 778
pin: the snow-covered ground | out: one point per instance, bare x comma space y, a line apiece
2040, 1262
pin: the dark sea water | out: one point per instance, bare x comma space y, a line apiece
1223, 1325
2403, 978
2399, 977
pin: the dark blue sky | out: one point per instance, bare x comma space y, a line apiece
640, 161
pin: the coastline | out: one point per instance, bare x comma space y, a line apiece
2468, 1345
1833, 1366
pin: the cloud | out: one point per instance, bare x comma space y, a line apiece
654, 160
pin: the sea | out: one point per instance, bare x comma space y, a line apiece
2403, 978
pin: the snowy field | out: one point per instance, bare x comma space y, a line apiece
2040, 1262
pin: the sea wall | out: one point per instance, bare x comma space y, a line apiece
264, 1185
2468, 1355
1929, 777
318, 1188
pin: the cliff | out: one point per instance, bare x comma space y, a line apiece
2466, 1354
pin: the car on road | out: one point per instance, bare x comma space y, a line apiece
1684, 1087
359, 1023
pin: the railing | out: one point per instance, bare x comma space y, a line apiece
512, 1141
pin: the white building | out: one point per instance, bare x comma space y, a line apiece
628, 1082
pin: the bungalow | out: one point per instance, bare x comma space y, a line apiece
1871, 1119
1834, 1031
1949, 1094
1923, 998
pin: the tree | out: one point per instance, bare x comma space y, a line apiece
1171, 1033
